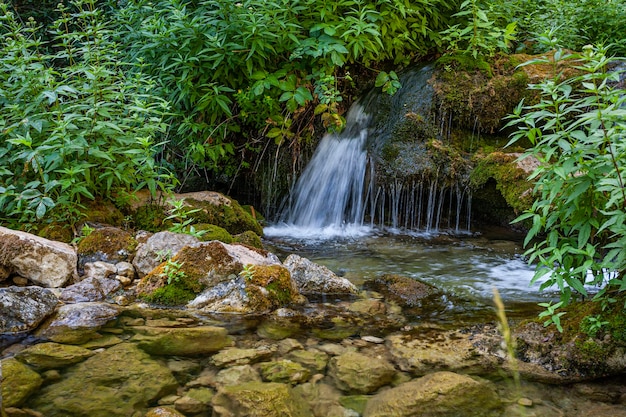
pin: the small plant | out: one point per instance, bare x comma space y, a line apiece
164, 255
247, 272
85, 231
591, 325
172, 271
552, 316
182, 221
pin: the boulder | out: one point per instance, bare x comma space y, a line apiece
358, 373
99, 269
405, 291
311, 278
44, 356
441, 394
163, 412
195, 401
237, 356
236, 375
114, 383
23, 308
284, 371
90, 289
18, 382
77, 323
256, 399
42, 261
192, 341
106, 244
312, 359
158, 248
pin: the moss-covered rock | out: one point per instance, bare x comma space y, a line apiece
248, 238
108, 244
191, 341
256, 399
213, 232
284, 371
18, 382
50, 355
150, 217
102, 212
357, 373
61, 232
407, 292
270, 287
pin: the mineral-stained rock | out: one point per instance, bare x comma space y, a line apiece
44, 262
23, 308
312, 278
50, 355
358, 373
255, 399
190, 341
116, 382
77, 323
158, 248
441, 394
18, 382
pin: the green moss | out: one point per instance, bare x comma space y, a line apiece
105, 212
249, 238
231, 217
213, 232
269, 287
465, 62
151, 218
59, 232
116, 244
170, 295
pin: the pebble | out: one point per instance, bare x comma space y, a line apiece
526, 402
373, 339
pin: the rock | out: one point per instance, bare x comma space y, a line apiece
158, 248
236, 356
125, 269
369, 306
190, 341
18, 382
90, 289
113, 383
99, 269
358, 373
163, 412
183, 370
324, 400
77, 323
50, 355
20, 281
311, 278
195, 401
20, 412
256, 399
406, 292
441, 394
284, 371
106, 244
23, 308
312, 359
42, 261
237, 375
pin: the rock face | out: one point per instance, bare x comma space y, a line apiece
442, 394
18, 382
77, 323
182, 341
256, 399
356, 372
158, 248
44, 262
23, 308
116, 382
311, 278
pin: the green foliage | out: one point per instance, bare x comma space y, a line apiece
73, 125
247, 272
181, 222
578, 231
172, 271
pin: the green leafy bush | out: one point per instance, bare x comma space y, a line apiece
577, 129
73, 124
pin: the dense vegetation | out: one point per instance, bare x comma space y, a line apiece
100, 97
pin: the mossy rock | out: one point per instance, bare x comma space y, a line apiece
270, 287
256, 399
18, 382
150, 217
284, 371
60, 232
248, 238
213, 232
108, 244
103, 212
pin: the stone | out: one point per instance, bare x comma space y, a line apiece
125, 269
312, 359
368, 306
77, 323
183, 369
284, 371
236, 356
163, 412
373, 339
195, 401
323, 399
237, 375
20, 281
24, 308
106, 244
44, 262
158, 248
90, 289
113, 383
18, 382
99, 269
50, 355
440, 394
405, 291
354, 372
192, 341
311, 278
256, 399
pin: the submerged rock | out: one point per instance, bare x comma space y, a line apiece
23, 308
406, 292
284, 371
77, 323
441, 394
163, 412
358, 373
42, 261
256, 399
50, 355
191, 341
90, 289
18, 382
113, 383
311, 278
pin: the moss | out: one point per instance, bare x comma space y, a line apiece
170, 295
269, 287
150, 217
60, 232
465, 62
104, 212
231, 217
248, 238
116, 244
213, 232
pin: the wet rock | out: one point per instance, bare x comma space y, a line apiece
23, 308
324, 400
18, 382
368, 306
106, 244
158, 248
312, 359
237, 375
359, 373
311, 278
42, 261
77, 323
90, 289
191, 341
183, 370
51, 355
441, 394
284, 371
236, 356
113, 383
195, 401
406, 292
257, 399
163, 412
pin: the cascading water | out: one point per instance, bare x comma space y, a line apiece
378, 173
